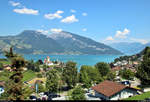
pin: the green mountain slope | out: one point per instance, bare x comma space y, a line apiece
34, 42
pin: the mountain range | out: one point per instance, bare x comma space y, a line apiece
35, 42
129, 48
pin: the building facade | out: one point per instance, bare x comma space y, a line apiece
109, 90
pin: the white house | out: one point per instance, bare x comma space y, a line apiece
109, 90
47, 61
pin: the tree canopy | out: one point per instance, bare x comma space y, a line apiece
52, 80
70, 74
103, 68
89, 75
78, 94
126, 74
14, 87
143, 71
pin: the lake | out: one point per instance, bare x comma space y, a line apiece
79, 59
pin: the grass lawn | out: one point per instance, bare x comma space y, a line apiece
28, 75
139, 97
5, 62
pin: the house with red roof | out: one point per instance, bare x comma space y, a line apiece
109, 90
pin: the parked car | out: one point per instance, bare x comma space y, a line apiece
38, 99
49, 98
53, 95
147, 99
33, 97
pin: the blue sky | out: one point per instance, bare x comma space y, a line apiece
102, 20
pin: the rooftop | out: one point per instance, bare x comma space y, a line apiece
108, 88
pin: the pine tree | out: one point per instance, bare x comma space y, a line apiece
143, 71
14, 87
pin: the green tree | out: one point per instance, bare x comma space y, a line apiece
34, 66
111, 76
78, 94
70, 74
41, 88
52, 82
15, 85
93, 74
85, 80
9, 54
45, 67
143, 71
27, 91
103, 68
1, 66
127, 74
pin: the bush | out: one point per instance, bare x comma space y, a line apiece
78, 94
126, 74
103, 68
39, 75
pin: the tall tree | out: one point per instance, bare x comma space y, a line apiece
52, 80
103, 68
143, 71
85, 80
9, 54
89, 74
15, 85
70, 74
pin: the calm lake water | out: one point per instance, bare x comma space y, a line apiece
79, 59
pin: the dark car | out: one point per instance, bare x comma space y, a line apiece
53, 95
49, 98
147, 99
33, 97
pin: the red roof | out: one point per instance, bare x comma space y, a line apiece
109, 88
117, 68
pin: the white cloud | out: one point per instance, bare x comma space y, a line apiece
109, 38
59, 12
84, 29
73, 11
54, 15
43, 31
142, 41
14, 3
26, 11
55, 30
122, 34
84, 14
70, 19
